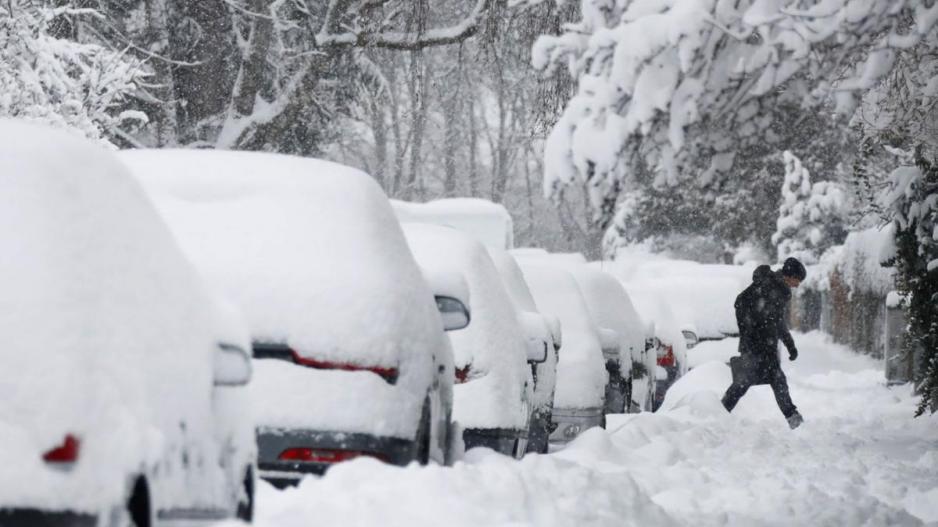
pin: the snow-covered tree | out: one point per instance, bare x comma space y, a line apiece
679, 88
912, 200
810, 219
60, 81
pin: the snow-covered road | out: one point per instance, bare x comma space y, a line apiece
859, 459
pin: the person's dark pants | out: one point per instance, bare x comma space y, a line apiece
779, 385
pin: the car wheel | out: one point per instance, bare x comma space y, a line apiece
139, 508
245, 510
423, 436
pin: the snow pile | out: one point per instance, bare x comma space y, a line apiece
485, 489
313, 255
493, 345
488, 222
859, 459
581, 370
108, 332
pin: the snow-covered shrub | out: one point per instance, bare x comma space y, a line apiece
59, 81
811, 216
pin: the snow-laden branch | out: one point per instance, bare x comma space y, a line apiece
671, 87
399, 40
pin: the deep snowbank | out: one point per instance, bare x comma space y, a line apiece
859, 459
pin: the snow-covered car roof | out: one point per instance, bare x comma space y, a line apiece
309, 249
701, 295
493, 344
581, 371
610, 307
108, 330
513, 278
488, 222
312, 253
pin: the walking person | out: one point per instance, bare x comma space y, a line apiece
761, 312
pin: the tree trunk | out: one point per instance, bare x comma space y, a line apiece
158, 38
205, 41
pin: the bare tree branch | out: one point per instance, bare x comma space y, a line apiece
400, 40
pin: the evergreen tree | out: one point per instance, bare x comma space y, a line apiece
912, 201
810, 217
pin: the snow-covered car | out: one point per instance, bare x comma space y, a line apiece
667, 340
350, 356
122, 378
543, 330
701, 296
494, 389
487, 222
579, 398
611, 309
619, 329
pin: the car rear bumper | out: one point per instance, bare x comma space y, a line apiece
40, 518
501, 440
271, 442
661, 387
571, 422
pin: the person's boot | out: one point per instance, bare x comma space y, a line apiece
795, 420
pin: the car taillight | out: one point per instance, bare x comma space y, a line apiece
666, 359
388, 374
67, 452
322, 455
462, 374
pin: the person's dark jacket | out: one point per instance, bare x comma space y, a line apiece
761, 312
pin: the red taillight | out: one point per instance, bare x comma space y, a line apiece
462, 374
667, 359
67, 452
322, 455
388, 374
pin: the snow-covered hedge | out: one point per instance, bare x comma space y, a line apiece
859, 263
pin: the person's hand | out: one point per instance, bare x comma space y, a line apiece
793, 354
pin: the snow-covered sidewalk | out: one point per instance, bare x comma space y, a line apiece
859, 459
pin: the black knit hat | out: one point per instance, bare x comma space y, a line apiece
792, 268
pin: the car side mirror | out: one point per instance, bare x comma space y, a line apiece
609, 340
537, 351
537, 336
690, 337
232, 365
454, 313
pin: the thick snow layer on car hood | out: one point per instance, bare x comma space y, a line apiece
859, 459
581, 370
493, 344
487, 222
310, 250
108, 332
610, 307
